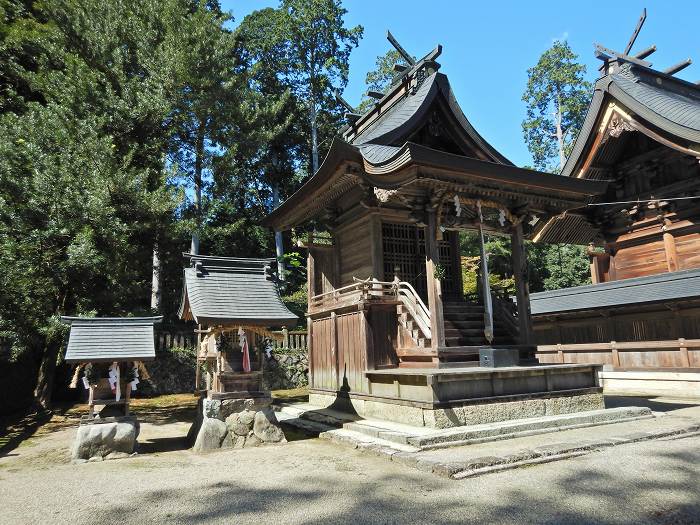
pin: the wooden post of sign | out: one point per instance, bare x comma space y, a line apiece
432, 259
521, 286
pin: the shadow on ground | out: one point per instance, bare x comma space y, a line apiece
579, 492
656, 404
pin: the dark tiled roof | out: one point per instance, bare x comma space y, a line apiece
667, 102
228, 290
653, 288
107, 339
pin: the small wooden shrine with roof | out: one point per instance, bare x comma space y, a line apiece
95, 343
235, 303
386, 311
642, 310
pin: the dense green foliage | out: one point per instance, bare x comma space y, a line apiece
557, 97
126, 126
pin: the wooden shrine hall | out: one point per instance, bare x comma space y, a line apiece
641, 314
387, 320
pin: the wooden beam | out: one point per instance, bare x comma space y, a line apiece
405, 54
678, 67
636, 31
432, 258
521, 286
603, 53
645, 53
375, 94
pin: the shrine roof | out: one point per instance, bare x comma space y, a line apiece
108, 339
232, 291
664, 101
653, 288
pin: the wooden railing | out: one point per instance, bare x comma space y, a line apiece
683, 353
165, 341
373, 290
292, 339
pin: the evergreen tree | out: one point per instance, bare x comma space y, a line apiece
557, 97
380, 78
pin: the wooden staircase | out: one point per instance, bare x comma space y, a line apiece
464, 335
464, 326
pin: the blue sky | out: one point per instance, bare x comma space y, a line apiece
488, 46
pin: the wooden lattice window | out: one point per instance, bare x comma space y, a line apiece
404, 250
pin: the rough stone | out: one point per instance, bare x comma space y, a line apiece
210, 436
267, 428
570, 404
95, 459
251, 441
241, 423
104, 438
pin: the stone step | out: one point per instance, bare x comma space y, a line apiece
388, 437
530, 426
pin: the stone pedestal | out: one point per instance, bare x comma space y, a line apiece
109, 438
234, 423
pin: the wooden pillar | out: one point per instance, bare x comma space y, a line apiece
521, 286
432, 258
309, 349
377, 250
457, 265
670, 249
310, 271
334, 349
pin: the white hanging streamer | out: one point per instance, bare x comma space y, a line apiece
458, 206
136, 379
535, 220
502, 217
114, 381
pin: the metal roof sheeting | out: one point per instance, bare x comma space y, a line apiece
107, 339
227, 290
652, 288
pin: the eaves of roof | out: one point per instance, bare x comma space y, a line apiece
649, 289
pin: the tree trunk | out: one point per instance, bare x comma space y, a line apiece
47, 370
198, 166
314, 135
155, 279
279, 246
560, 136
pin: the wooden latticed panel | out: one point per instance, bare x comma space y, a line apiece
404, 254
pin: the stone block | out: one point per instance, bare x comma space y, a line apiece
211, 435
102, 439
241, 423
267, 428
571, 404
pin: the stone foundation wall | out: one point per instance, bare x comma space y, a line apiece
467, 414
286, 368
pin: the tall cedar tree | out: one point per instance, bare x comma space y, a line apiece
319, 53
557, 96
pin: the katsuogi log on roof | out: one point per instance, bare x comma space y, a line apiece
232, 291
109, 339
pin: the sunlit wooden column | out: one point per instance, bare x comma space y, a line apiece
432, 260
521, 287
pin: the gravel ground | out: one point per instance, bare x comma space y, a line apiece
313, 481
